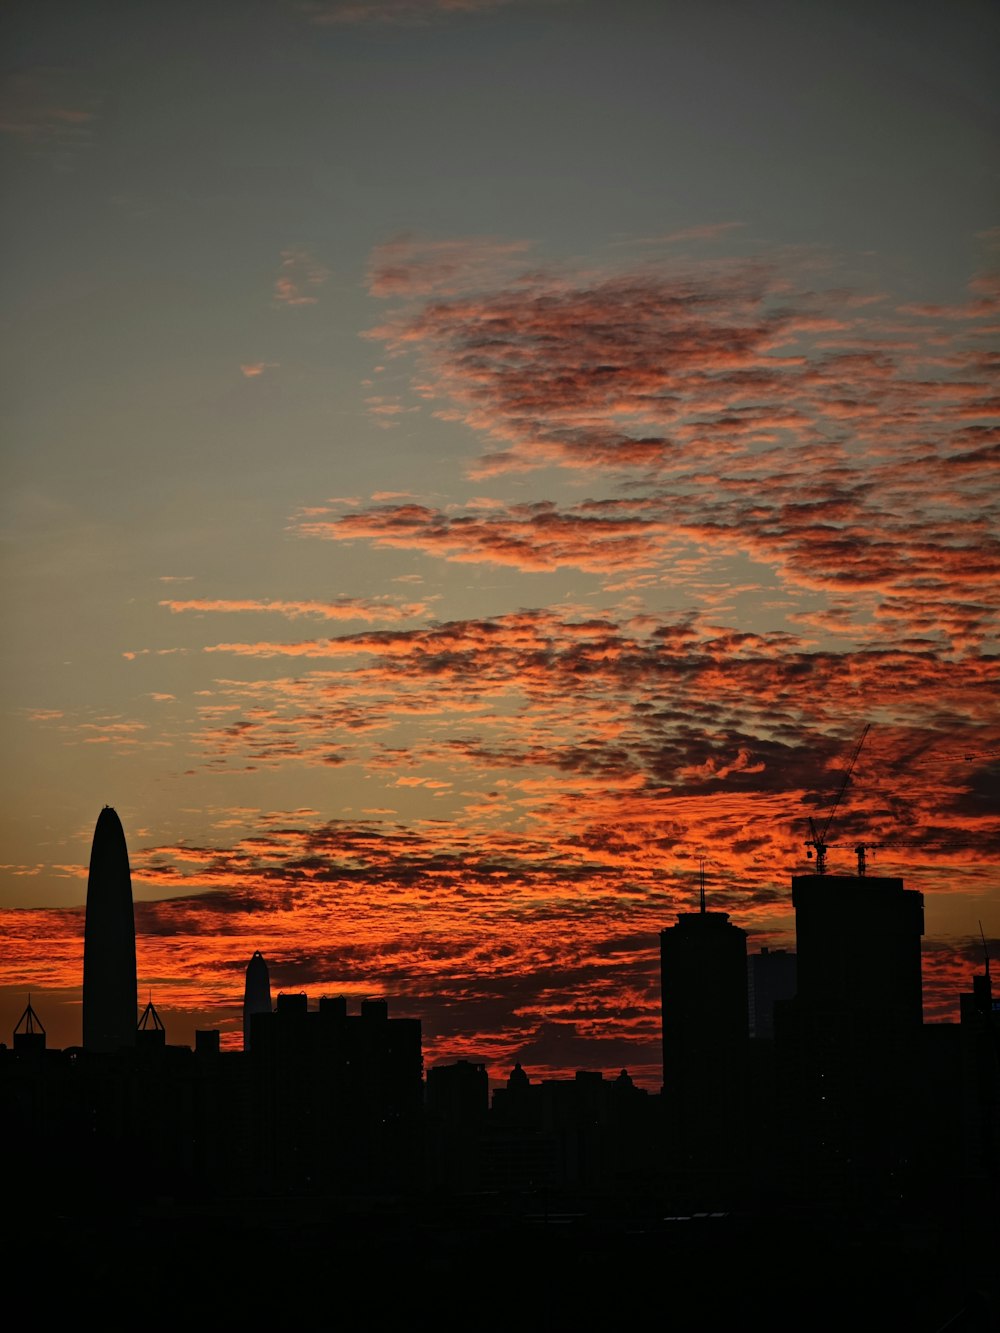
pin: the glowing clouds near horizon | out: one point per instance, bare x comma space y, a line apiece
789, 531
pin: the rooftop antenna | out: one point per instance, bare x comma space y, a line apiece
701, 863
818, 839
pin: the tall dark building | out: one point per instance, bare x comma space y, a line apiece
703, 989
256, 994
109, 976
850, 1041
858, 945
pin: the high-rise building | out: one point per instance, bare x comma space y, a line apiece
109, 974
858, 945
850, 1041
703, 989
256, 994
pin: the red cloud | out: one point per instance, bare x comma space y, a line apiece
530, 537
824, 529
488, 939
565, 770
863, 463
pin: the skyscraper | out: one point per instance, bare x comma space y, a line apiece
858, 945
256, 994
703, 988
109, 976
851, 1038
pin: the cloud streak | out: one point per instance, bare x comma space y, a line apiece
345, 608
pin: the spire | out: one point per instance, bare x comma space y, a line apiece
150, 1020
32, 1024
151, 1031
29, 1034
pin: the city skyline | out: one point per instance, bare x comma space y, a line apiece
470, 465
699, 955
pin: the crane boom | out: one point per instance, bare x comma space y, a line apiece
847, 778
818, 839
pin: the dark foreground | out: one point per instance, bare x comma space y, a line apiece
537, 1261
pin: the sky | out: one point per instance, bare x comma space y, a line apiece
472, 467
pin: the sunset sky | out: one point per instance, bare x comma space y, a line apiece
468, 462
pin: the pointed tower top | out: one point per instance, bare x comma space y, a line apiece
29, 1035
29, 1024
150, 1020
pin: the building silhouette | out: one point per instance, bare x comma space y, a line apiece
456, 1101
335, 1099
856, 1145
109, 974
150, 1034
29, 1033
980, 1056
850, 1042
858, 946
703, 995
852, 1144
256, 994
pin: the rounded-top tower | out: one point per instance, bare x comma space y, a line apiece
256, 994
109, 976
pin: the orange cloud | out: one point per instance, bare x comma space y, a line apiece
749, 439
490, 940
346, 608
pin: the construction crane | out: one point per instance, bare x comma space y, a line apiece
818, 840
863, 848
